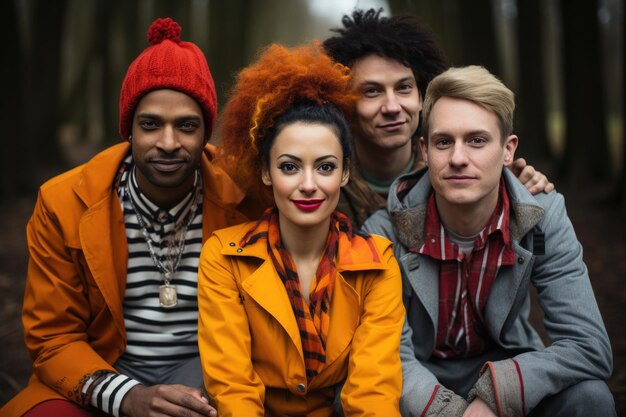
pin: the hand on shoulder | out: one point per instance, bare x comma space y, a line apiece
535, 181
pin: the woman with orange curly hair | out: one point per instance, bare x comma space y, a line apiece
297, 307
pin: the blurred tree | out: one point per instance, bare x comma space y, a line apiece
177, 10
586, 153
103, 44
621, 191
478, 35
440, 16
42, 82
229, 28
531, 97
13, 158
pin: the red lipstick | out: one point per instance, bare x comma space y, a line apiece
308, 205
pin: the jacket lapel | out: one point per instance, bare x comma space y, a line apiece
266, 288
346, 306
423, 276
510, 288
508, 291
102, 231
345, 312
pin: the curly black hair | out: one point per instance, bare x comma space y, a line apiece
400, 38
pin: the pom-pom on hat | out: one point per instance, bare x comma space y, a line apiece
168, 63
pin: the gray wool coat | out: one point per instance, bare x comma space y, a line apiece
579, 348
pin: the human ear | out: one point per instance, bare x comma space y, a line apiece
424, 150
265, 176
345, 175
510, 145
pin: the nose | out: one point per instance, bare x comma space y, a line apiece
168, 141
307, 185
459, 155
391, 104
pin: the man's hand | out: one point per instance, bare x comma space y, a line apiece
166, 400
532, 179
478, 408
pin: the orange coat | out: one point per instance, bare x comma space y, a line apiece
250, 343
72, 314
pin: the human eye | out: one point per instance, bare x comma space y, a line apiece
148, 124
443, 143
288, 167
188, 126
477, 141
327, 167
371, 92
405, 88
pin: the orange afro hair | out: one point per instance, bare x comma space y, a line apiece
265, 90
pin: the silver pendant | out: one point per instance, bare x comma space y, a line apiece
167, 296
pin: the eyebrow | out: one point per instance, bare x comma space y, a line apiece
288, 155
375, 82
159, 117
470, 133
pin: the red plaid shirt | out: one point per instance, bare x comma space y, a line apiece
465, 281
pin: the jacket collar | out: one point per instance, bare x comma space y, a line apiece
266, 288
99, 174
348, 258
409, 194
102, 231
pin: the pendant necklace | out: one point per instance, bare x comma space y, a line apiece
168, 297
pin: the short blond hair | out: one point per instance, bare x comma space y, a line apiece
476, 84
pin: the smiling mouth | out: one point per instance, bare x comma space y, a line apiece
308, 205
392, 127
167, 165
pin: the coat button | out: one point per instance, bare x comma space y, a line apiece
520, 260
232, 243
239, 250
300, 388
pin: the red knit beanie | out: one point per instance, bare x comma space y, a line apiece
168, 63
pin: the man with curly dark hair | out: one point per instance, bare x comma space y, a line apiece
392, 60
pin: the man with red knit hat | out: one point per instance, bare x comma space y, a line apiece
110, 311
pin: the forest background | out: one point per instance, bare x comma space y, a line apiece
64, 61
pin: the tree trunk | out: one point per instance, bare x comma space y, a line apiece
441, 16
621, 190
229, 25
531, 97
478, 35
586, 153
43, 87
14, 161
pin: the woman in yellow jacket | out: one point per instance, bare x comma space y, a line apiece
297, 307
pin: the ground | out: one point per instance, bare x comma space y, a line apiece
599, 226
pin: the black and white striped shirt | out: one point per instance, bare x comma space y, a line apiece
156, 336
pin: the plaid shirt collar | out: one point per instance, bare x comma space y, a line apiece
465, 281
437, 243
